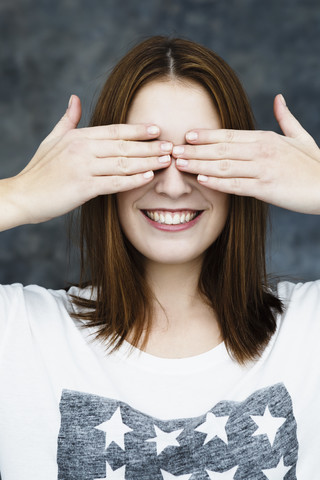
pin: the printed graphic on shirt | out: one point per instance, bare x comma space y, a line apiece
105, 439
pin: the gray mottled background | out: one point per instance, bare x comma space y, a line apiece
52, 48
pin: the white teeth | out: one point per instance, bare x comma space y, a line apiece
168, 220
171, 218
176, 219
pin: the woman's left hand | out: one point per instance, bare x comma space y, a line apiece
283, 170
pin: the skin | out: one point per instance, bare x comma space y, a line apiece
74, 165
283, 170
189, 105
173, 259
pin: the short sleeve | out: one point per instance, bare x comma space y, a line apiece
22, 306
302, 310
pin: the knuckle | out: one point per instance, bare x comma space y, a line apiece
114, 131
116, 183
236, 185
266, 150
76, 146
224, 165
222, 149
229, 134
123, 165
123, 147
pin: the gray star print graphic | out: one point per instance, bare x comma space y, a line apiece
102, 438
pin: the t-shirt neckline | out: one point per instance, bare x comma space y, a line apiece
145, 360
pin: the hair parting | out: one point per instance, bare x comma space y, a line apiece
233, 279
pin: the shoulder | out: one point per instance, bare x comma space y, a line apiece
301, 316
32, 303
300, 296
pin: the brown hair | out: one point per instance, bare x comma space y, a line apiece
233, 277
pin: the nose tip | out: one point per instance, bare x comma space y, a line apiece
172, 182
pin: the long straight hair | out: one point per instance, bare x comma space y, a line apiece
233, 277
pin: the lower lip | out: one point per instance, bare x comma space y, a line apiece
172, 228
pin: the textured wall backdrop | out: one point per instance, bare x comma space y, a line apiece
50, 49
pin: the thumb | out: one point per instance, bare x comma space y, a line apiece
288, 123
69, 120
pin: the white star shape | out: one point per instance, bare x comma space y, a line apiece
169, 476
114, 429
165, 439
228, 475
278, 472
268, 425
118, 474
214, 427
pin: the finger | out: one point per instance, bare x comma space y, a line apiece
288, 123
225, 168
235, 151
206, 136
70, 119
122, 132
128, 148
128, 166
115, 184
248, 187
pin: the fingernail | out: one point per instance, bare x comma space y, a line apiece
282, 100
203, 178
165, 159
192, 136
70, 101
178, 150
166, 147
153, 130
182, 162
148, 174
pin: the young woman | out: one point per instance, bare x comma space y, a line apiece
173, 358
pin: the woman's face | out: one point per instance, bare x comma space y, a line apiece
173, 198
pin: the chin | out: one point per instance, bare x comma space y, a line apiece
171, 257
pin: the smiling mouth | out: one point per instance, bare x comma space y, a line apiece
167, 217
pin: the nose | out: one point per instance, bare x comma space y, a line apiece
171, 182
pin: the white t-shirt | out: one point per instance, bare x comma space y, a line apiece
71, 411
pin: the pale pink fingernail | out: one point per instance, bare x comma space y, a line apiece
165, 159
70, 101
192, 136
153, 130
148, 174
182, 162
178, 150
166, 147
282, 99
203, 178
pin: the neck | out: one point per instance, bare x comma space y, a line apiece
175, 286
183, 323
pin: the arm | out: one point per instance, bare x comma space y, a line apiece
72, 166
283, 170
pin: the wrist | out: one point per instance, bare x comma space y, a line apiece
11, 214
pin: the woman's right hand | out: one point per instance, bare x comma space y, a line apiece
72, 166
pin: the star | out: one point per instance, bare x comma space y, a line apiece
228, 475
268, 425
278, 472
118, 474
169, 476
115, 429
165, 439
214, 427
